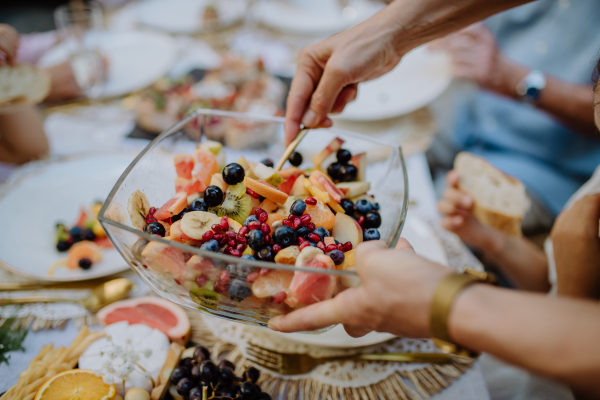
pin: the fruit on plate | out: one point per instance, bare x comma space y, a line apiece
205, 165
184, 164
155, 312
196, 223
353, 189
237, 204
83, 255
266, 190
128, 356
138, 207
331, 148
346, 229
76, 384
321, 181
164, 258
307, 288
172, 207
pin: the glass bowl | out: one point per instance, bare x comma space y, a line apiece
170, 268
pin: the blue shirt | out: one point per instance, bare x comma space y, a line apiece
560, 38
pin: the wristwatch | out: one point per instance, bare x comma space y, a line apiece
530, 87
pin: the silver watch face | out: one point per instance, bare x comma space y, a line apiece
530, 87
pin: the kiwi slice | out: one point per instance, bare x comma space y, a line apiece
237, 204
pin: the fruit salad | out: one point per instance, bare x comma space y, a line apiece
311, 218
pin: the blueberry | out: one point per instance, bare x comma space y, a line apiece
252, 374
284, 236
178, 374
322, 232
372, 220
348, 206
233, 174
334, 171
211, 245
155, 228
343, 156
264, 396
302, 232
213, 196
371, 234
250, 219
376, 206
295, 159
88, 234
268, 162
348, 173
184, 386
298, 207
265, 254
312, 244
201, 353
177, 217
226, 376
76, 233
249, 391
239, 290
248, 257
195, 393
256, 239
208, 370
85, 263
199, 205
363, 206
63, 245
227, 364
337, 256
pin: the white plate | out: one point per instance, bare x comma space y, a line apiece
135, 58
317, 18
185, 16
425, 243
420, 78
53, 193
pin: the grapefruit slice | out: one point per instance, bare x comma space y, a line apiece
205, 166
274, 282
184, 164
308, 288
163, 258
154, 312
172, 207
190, 186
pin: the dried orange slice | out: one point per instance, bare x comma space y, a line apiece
76, 384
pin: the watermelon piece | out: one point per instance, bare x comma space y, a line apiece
172, 207
184, 164
308, 288
154, 312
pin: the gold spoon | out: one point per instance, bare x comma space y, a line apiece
290, 149
102, 295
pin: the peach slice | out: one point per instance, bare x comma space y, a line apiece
298, 189
172, 207
184, 164
332, 147
346, 229
360, 162
323, 182
265, 190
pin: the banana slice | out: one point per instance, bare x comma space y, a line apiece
307, 254
138, 207
194, 224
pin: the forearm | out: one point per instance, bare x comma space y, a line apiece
22, 136
550, 336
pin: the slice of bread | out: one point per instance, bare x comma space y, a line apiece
22, 85
500, 200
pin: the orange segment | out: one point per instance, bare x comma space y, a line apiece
205, 166
83, 249
321, 215
76, 384
348, 260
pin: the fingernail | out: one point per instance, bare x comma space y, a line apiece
273, 324
328, 123
310, 119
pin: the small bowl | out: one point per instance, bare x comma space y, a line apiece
153, 173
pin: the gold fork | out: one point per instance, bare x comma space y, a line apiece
295, 364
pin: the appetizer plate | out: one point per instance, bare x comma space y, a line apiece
420, 78
313, 17
185, 16
55, 192
426, 243
135, 58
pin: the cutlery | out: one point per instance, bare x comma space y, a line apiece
290, 149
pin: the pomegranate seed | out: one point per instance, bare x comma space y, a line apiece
201, 280
226, 250
264, 271
252, 193
217, 228
145, 266
301, 240
224, 277
267, 239
266, 229
292, 218
276, 248
223, 241
152, 210
311, 201
331, 247
230, 234
258, 211
311, 226
305, 219
235, 253
220, 287
208, 235
347, 246
254, 225
224, 223
279, 297
177, 281
361, 220
263, 217
321, 246
241, 247
287, 222
231, 243
340, 247
244, 231
252, 276
313, 237
297, 223
304, 245
218, 237
150, 219
241, 239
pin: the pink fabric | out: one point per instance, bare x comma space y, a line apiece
34, 45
